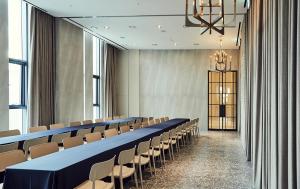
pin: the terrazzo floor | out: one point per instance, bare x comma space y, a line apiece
215, 160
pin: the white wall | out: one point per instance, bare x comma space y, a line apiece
4, 93
165, 82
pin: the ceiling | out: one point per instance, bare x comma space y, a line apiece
144, 24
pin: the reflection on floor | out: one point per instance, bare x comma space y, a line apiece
215, 161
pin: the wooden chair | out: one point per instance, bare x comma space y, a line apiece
157, 121
98, 172
162, 119
145, 124
57, 126
98, 120
136, 126
58, 138
71, 142
154, 151
165, 145
140, 160
37, 129
124, 129
121, 171
43, 149
110, 133
11, 158
87, 122
9, 133
83, 132
92, 137
28, 143
99, 129
75, 123
9, 147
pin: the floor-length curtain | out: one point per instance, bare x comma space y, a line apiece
42, 69
274, 79
109, 93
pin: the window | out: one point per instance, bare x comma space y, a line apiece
97, 62
18, 63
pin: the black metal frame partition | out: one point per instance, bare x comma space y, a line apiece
221, 94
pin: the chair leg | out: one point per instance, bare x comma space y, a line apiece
141, 175
161, 163
121, 182
153, 158
135, 178
172, 152
164, 157
150, 166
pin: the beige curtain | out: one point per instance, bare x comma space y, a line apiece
109, 93
273, 40
42, 69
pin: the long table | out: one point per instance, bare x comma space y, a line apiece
21, 138
70, 167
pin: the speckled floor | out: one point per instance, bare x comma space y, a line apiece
215, 160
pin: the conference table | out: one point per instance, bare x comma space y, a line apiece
70, 167
29, 136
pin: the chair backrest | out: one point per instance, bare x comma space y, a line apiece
108, 118
124, 129
59, 137
99, 129
92, 137
9, 133
9, 147
151, 118
98, 120
57, 126
166, 118
155, 141
37, 129
139, 120
145, 119
72, 142
143, 147
157, 121
75, 123
11, 158
114, 126
126, 156
86, 122
151, 122
145, 124
173, 133
162, 119
43, 149
136, 126
165, 136
102, 170
28, 143
83, 132
110, 132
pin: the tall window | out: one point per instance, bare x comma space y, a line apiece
18, 63
97, 77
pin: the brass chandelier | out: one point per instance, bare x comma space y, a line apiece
221, 59
209, 14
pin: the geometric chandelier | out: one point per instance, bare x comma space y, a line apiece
208, 14
221, 59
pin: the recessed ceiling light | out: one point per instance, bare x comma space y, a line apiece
122, 37
106, 27
196, 44
159, 26
175, 44
132, 27
94, 27
154, 44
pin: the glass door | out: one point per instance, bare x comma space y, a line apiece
222, 98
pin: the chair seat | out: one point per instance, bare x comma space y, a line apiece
155, 153
173, 141
144, 160
99, 184
126, 171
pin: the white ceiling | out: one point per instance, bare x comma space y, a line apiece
145, 16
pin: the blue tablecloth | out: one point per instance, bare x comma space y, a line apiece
69, 168
48, 133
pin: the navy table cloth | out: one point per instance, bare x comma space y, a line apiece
70, 167
73, 130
